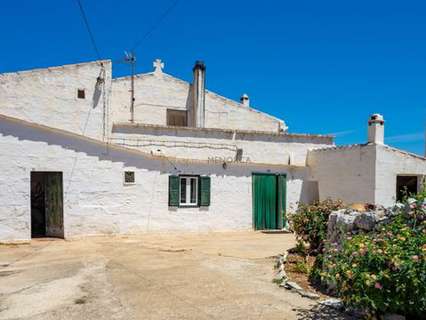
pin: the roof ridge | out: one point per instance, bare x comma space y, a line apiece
404, 152
335, 147
238, 131
56, 67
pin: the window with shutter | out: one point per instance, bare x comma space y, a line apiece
189, 191
173, 191
204, 191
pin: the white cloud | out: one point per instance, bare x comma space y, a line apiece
342, 133
409, 137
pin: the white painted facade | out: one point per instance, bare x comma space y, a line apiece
49, 97
390, 163
96, 200
45, 127
364, 173
156, 92
345, 173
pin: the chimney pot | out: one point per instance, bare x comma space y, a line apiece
376, 129
199, 64
245, 101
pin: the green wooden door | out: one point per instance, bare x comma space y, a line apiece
54, 205
265, 201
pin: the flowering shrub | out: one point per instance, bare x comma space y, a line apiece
414, 207
310, 223
384, 271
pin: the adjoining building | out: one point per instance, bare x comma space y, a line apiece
79, 158
367, 173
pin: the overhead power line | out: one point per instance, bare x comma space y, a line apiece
86, 23
156, 24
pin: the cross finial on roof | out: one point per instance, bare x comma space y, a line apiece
158, 65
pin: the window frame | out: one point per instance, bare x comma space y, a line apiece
188, 191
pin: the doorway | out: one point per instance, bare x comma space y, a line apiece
47, 219
405, 185
269, 201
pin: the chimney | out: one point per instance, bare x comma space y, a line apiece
245, 101
376, 129
197, 112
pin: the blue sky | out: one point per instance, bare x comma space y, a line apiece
322, 66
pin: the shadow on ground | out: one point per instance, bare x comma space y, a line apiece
320, 312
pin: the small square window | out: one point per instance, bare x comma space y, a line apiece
129, 177
81, 94
176, 118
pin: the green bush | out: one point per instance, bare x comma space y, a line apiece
301, 267
310, 223
382, 272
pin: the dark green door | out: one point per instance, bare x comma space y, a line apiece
54, 205
269, 198
265, 201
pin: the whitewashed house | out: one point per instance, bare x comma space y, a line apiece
371, 172
76, 159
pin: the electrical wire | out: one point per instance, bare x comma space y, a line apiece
155, 25
86, 23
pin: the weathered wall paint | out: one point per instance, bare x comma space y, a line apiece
49, 97
362, 173
204, 144
391, 162
96, 200
345, 173
155, 93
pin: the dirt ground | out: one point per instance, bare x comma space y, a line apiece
153, 276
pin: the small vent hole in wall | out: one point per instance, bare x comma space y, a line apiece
239, 155
129, 177
81, 94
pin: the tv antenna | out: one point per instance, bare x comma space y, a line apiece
130, 58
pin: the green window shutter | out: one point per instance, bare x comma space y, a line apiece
173, 191
204, 192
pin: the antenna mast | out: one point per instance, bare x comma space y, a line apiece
131, 59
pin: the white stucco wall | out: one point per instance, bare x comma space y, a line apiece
362, 173
155, 93
97, 202
228, 114
345, 173
390, 163
204, 144
49, 97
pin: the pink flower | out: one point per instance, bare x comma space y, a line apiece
415, 258
377, 285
